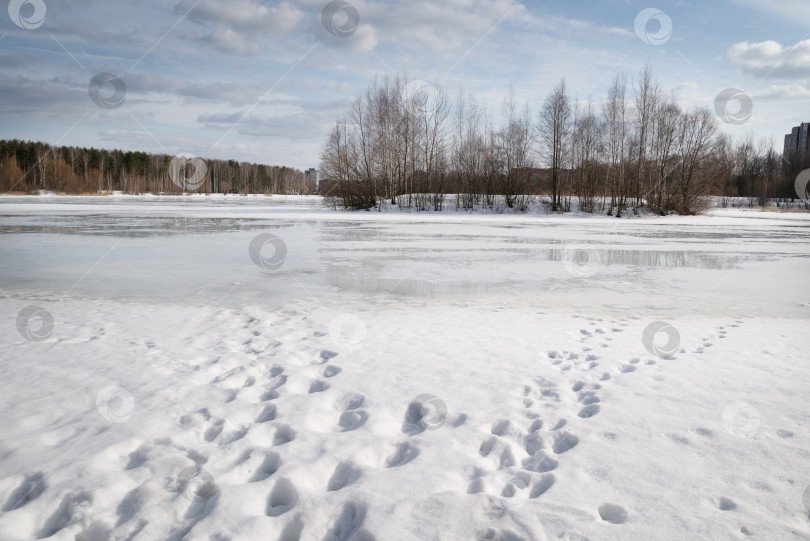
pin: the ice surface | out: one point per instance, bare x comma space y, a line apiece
185, 391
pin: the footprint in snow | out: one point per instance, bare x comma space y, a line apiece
403, 453
501, 427
542, 486
318, 387
330, 371
284, 434
587, 398
214, 430
610, 512
344, 475
276, 382
282, 498
63, 516
352, 420
267, 414
588, 411
276, 371
236, 435
349, 401
325, 356
31, 488
536, 425
270, 465
486, 446
726, 504
533, 442
562, 442
348, 523
540, 462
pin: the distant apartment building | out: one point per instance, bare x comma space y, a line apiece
311, 178
796, 149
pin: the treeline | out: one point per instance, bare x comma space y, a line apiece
26, 167
409, 144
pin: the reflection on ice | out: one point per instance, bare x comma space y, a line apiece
124, 227
197, 253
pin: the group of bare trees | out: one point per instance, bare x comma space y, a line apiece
406, 143
28, 166
391, 144
759, 174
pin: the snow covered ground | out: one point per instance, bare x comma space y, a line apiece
253, 368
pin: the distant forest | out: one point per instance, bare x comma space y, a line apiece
26, 167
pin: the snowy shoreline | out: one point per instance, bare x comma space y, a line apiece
282, 206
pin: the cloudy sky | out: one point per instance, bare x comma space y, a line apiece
263, 80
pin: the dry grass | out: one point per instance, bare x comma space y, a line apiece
777, 209
82, 194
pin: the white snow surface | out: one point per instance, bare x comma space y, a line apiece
186, 392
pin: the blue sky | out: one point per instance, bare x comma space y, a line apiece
263, 81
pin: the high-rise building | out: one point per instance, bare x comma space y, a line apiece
311, 178
796, 150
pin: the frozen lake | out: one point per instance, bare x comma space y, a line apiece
284, 389
190, 251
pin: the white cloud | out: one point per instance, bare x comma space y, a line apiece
233, 42
779, 93
795, 12
213, 65
440, 26
244, 14
772, 60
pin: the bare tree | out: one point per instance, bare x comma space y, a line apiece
696, 138
647, 96
586, 145
614, 112
663, 134
514, 145
553, 128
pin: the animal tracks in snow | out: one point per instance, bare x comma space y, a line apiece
267, 390
556, 406
527, 451
277, 388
